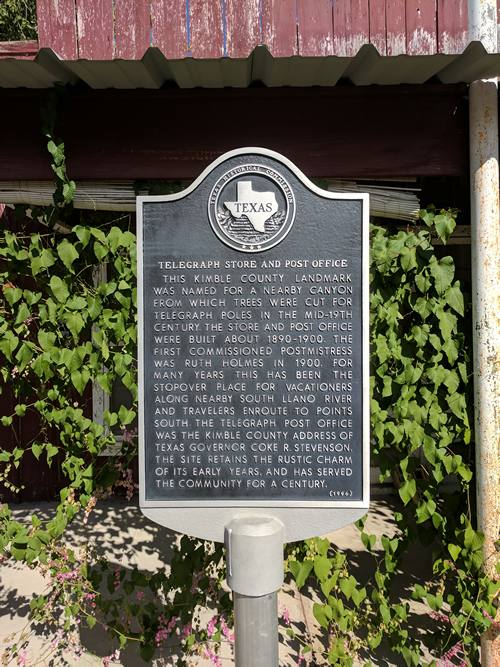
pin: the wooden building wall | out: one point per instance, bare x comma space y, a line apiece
107, 29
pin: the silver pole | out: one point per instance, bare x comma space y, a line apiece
254, 553
256, 630
485, 247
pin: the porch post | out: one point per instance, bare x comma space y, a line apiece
485, 248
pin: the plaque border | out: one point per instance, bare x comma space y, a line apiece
301, 517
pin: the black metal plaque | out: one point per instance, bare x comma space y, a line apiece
252, 343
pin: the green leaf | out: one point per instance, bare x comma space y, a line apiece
326, 586
445, 224
347, 586
68, 191
323, 614
369, 541
322, 567
454, 551
125, 415
8, 344
301, 571
24, 355
91, 621
74, 322
59, 289
12, 294
43, 261
358, 596
68, 254
455, 298
100, 251
37, 449
83, 234
46, 339
442, 271
51, 451
447, 323
80, 379
408, 490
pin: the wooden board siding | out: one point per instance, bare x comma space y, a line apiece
452, 25
169, 27
207, 29
243, 27
181, 28
421, 27
351, 22
57, 27
95, 44
343, 131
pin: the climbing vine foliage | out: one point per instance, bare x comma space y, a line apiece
62, 332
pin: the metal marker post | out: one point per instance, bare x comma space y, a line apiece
254, 553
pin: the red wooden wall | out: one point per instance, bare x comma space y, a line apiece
107, 29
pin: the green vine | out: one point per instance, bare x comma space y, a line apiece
421, 440
60, 333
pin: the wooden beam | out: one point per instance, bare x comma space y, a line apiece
357, 132
22, 50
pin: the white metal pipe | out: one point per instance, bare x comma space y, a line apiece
254, 557
256, 630
485, 251
483, 23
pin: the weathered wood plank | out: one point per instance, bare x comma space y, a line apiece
206, 29
378, 31
22, 50
243, 27
57, 27
279, 27
94, 21
452, 25
132, 29
395, 12
315, 27
351, 26
169, 27
421, 27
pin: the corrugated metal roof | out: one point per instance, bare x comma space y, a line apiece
154, 70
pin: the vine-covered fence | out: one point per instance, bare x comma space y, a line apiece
60, 332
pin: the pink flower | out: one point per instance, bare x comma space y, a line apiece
285, 615
225, 630
171, 624
139, 595
438, 616
161, 635
114, 656
67, 576
446, 659
212, 626
212, 656
22, 658
186, 630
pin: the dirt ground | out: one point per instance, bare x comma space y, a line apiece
119, 531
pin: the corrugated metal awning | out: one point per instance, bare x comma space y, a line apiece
154, 71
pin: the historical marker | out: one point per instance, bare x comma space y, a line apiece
253, 354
